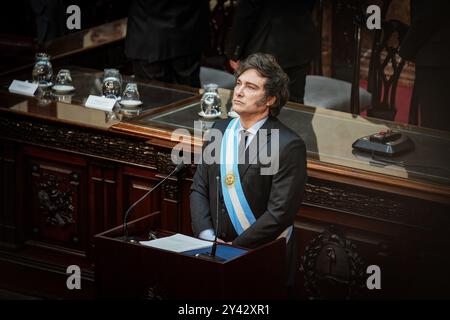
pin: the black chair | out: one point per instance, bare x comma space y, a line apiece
214, 69
385, 69
332, 93
222, 78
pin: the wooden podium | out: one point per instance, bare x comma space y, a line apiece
133, 271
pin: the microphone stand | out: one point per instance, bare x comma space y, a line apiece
125, 219
212, 255
214, 247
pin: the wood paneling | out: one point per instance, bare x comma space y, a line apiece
56, 210
8, 200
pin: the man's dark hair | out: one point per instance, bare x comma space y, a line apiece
277, 81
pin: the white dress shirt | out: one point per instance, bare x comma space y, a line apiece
251, 132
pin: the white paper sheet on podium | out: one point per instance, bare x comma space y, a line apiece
177, 243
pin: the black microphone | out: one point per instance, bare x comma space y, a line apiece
214, 247
125, 219
212, 254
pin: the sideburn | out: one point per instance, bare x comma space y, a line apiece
262, 102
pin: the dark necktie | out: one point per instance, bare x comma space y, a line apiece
242, 144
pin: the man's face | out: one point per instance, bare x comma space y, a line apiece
249, 94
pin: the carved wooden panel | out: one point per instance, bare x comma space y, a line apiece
87, 141
412, 262
103, 197
8, 187
185, 219
364, 249
171, 190
374, 204
56, 201
134, 187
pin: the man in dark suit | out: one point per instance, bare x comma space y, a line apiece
50, 22
272, 198
427, 43
165, 39
282, 28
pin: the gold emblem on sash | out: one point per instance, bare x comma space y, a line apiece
229, 179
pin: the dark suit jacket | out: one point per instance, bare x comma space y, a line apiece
274, 200
283, 28
427, 42
50, 21
160, 30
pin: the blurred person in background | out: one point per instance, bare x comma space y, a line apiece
427, 44
282, 28
165, 39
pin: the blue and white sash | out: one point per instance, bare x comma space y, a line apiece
238, 209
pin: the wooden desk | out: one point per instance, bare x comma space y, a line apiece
69, 173
395, 211
66, 176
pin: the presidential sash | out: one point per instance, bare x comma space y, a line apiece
238, 209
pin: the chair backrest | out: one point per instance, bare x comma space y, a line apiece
222, 78
349, 20
385, 68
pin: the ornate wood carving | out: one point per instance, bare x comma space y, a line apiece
96, 143
171, 190
326, 194
385, 69
55, 202
55, 197
332, 267
56, 205
361, 201
164, 163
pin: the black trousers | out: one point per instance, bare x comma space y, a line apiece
297, 77
180, 70
431, 92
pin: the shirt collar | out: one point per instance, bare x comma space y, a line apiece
254, 128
